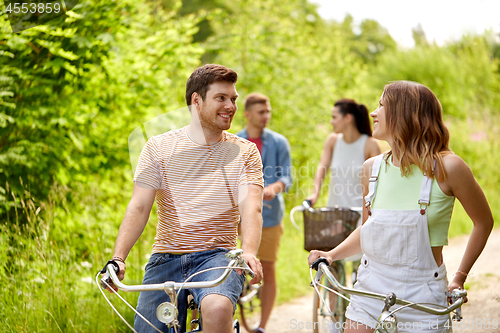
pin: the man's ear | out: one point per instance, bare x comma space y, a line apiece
195, 99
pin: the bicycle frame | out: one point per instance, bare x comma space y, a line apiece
167, 311
387, 320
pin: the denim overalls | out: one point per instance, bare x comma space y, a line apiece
398, 258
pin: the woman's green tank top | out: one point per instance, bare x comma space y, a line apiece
397, 192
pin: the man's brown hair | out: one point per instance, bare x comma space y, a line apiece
204, 76
256, 98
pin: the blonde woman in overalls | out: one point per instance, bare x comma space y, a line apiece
409, 196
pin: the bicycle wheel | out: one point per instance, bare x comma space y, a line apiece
336, 304
194, 320
249, 304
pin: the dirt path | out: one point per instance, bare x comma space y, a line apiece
483, 287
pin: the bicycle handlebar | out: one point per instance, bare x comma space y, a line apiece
322, 265
236, 262
307, 204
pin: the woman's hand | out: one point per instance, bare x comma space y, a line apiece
457, 283
313, 198
315, 254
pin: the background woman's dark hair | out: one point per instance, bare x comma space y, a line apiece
358, 111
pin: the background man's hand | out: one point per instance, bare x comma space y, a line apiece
268, 193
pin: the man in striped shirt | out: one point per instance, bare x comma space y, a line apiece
204, 180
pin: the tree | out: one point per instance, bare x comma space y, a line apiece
72, 90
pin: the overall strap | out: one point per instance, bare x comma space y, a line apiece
372, 187
425, 193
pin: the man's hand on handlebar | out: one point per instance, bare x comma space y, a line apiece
120, 274
254, 265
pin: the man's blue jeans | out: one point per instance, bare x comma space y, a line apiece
178, 267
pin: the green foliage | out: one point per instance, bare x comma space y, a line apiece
47, 280
71, 93
368, 41
74, 90
301, 62
476, 140
419, 36
47, 66
462, 75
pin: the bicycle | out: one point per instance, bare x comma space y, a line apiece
324, 229
249, 304
387, 321
167, 312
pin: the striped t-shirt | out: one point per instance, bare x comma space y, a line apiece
197, 189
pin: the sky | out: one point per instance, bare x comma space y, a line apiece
441, 20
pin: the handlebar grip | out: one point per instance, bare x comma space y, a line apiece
115, 267
318, 261
106, 279
307, 204
250, 272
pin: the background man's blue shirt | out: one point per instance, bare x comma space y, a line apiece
276, 162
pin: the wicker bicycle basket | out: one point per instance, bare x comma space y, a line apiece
325, 228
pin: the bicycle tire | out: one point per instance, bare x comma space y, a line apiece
337, 304
249, 304
193, 320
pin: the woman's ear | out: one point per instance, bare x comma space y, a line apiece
349, 117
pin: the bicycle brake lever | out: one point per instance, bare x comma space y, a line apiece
115, 266
243, 263
457, 316
454, 295
234, 253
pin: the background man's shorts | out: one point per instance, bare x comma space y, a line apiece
269, 243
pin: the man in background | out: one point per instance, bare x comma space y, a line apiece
275, 152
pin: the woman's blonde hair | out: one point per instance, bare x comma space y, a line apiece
415, 120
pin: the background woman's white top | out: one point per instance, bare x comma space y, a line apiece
345, 173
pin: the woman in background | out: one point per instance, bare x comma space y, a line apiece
344, 153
